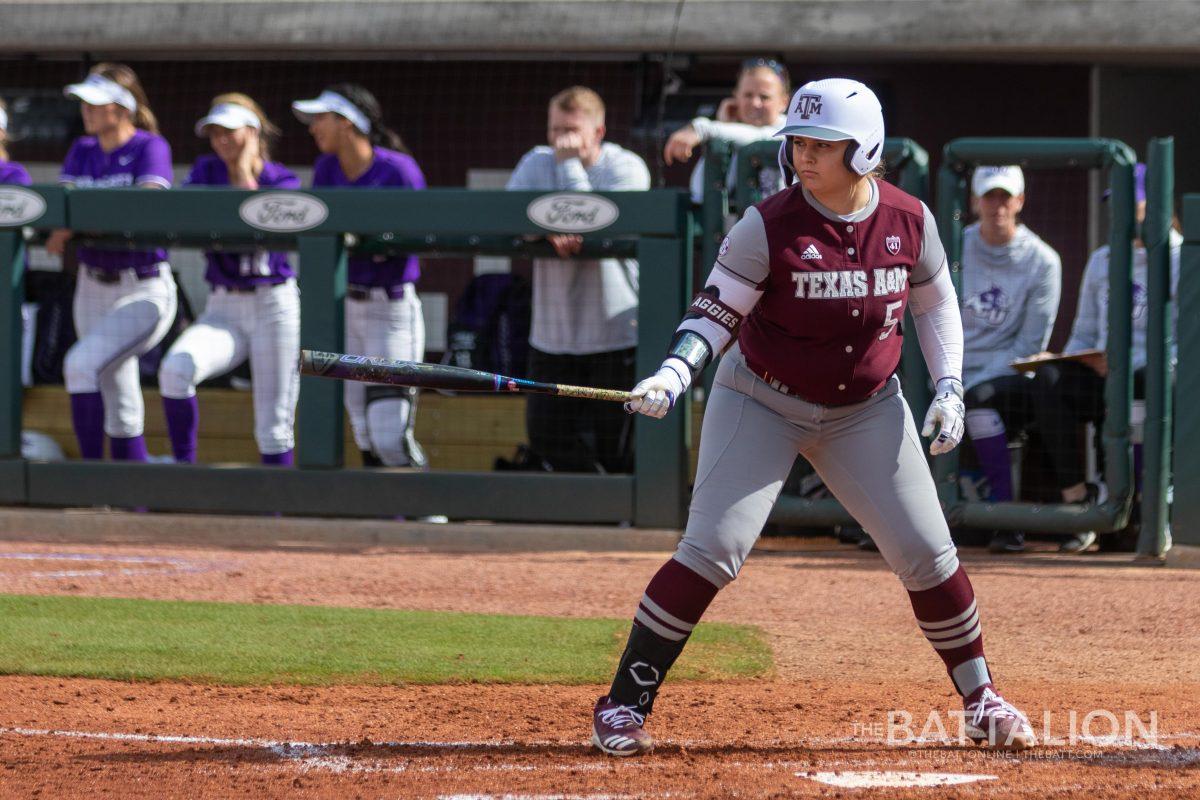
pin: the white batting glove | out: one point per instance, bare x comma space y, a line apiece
947, 416
656, 395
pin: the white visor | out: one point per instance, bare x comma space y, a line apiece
230, 116
98, 90
3, 120
305, 110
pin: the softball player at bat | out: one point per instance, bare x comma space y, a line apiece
124, 299
383, 312
254, 308
809, 289
10, 171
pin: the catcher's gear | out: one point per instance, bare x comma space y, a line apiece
946, 415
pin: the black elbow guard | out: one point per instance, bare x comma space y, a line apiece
692, 349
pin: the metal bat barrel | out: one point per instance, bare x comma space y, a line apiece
369, 369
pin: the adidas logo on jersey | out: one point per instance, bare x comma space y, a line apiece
810, 253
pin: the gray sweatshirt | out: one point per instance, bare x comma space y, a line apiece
1090, 329
1009, 301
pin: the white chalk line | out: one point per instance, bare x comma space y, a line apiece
323, 756
318, 755
873, 779
174, 565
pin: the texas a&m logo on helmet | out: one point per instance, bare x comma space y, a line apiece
808, 105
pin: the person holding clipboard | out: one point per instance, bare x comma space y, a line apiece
1070, 388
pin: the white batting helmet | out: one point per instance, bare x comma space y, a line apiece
834, 110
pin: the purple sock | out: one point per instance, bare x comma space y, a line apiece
132, 448
1138, 464
183, 422
87, 414
993, 459
283, 459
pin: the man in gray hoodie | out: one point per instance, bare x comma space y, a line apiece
1010, 289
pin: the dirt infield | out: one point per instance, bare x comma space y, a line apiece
1104, 655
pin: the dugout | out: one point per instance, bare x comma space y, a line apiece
654, 226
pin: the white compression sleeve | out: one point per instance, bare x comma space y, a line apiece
939, 326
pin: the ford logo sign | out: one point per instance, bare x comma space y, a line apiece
283, 212
572, 213
19, 206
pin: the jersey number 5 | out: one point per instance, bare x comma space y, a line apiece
890, 322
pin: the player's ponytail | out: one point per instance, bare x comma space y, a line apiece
124, 76
3, 136
267, 131
365, 102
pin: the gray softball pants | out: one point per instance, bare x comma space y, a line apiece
868, 454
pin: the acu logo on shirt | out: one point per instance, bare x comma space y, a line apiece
990, 305
1139, 300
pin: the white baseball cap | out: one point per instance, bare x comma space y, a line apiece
1009, 178
836, 109
327, 101
230, 116
97, 90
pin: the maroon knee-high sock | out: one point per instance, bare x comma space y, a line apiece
674, 601
950, 621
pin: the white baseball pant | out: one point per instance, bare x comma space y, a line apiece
385, 328
264, 326
116, 323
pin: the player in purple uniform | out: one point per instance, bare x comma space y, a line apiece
383, 313
10, 171
821, 274
124, 299
254, 308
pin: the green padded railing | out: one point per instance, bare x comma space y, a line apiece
1185, 520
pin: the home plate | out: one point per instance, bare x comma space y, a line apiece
874, 778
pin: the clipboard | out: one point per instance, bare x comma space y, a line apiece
1033, 362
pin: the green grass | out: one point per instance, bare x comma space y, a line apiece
236, 644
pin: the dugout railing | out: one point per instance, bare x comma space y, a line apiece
656, 226
908, 166
1185, 519
963, 155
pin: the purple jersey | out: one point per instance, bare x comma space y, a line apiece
13, 173
246, 269
389, 170
145, 158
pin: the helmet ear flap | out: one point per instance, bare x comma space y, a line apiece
848, 156
786, 167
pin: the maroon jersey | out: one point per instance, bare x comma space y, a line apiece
828, 324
